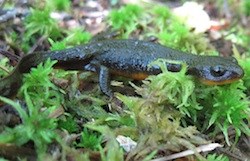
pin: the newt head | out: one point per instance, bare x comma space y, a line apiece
214, 70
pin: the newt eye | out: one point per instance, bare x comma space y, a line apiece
217, 71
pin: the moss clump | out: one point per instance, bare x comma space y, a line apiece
164, 100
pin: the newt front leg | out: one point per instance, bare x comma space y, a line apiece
103, 75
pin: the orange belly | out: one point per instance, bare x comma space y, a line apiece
136, 76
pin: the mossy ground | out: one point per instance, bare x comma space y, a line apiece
167, 113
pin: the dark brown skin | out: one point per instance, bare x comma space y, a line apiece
128, 58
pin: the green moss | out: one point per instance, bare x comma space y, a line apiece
160, 118
40, 22
59, 5
158, 22
39, 86
37, 125
238, 35
112, 151
59, 45
69, 124
246, 7
74, 37
163, 12
245, 63
174, 35
125, 19
90, 140
224, 107
4, 67
77, 37
213, 157
164, 100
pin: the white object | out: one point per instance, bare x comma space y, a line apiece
126, 143
193, 15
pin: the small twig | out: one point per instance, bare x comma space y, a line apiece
203, 148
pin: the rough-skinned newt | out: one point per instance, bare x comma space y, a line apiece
128, 58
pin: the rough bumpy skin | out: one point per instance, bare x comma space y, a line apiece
129, 58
